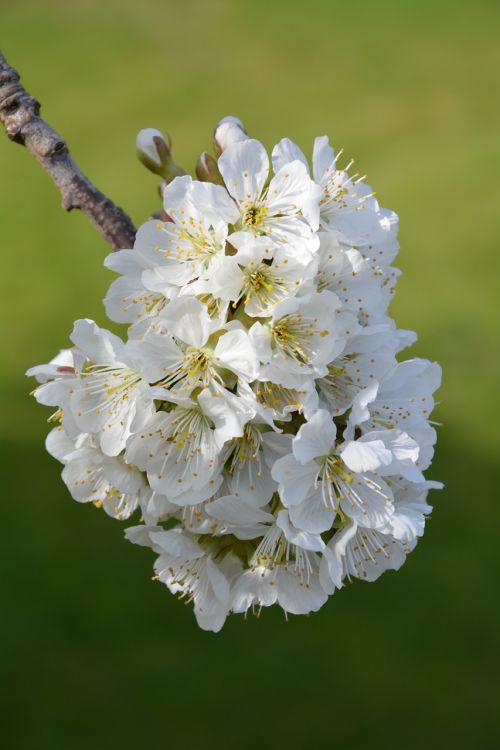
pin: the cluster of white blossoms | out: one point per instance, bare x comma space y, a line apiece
258, 417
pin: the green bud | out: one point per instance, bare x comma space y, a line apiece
207, 170
155, 152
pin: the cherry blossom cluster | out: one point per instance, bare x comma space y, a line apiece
258, 419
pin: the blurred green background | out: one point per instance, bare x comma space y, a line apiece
94, 654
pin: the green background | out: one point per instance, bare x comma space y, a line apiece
93, 653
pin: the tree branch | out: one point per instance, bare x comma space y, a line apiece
20, 116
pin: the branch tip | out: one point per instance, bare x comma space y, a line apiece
20, 117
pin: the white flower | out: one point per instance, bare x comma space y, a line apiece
276, 402
320, 479
359, 552
403, 400
367, 356
199, 210
360, 286
111, 396
300, 339
179, 451
283, 569
281, 209
261, 276
93, 477
180, 448
346, 198
57, 382
411, 509
190, 357
169, 255
129, 300
258, 416
199, 213
347, 206
238, 516
248, 474
188, 571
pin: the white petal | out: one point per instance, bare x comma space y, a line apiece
286, 151
255, 586
371, 553
227, 411
188, 319
234, 510
236, 352
332, 569
294, 479
123, 476
140, 534
312, 515
323, 156
289, 187
153, 355
211, 609
369, 501
125, 262
176, 194
362, 456
176, 542
225, 278
62, 365
244, 167
310, 541
58, 444
96, 343
360, 411
404, 452
214, 202
297, 598
315, 438
219, 582
261, 338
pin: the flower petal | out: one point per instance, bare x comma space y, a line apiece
245, 167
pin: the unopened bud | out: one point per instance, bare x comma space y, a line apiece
232, 119
228, 131
155, 152
207, 170
152, 148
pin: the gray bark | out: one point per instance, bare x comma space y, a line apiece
20, 117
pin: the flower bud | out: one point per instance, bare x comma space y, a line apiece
234, 120
154, 151
152, 148
228, 131
207, 170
